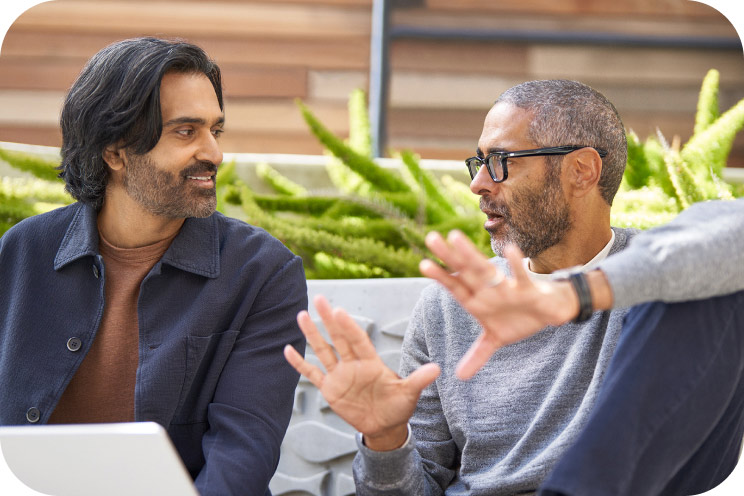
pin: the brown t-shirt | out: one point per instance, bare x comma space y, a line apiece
102, 389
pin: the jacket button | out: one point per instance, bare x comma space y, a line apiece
33, 415
96, 271
74, 344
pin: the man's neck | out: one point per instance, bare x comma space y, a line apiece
576, 248
126, 224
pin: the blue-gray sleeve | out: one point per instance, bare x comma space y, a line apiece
698, 255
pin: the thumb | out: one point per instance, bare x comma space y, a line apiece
422, 377
476, 357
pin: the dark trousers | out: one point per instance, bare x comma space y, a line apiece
669, 417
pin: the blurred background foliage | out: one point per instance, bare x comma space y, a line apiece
373, 221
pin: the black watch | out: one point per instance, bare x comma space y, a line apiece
581, 286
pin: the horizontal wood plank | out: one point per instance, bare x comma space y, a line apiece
715, 25
168, 18
42, 45
462, 58
608, 7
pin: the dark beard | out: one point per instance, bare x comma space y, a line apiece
542, 219
169, 195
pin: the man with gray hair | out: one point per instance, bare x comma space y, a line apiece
548, 164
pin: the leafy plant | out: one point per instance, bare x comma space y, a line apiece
374, 221
22, 197
661, 179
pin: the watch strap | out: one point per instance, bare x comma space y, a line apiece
581, 286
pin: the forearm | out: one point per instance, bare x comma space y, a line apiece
697, 255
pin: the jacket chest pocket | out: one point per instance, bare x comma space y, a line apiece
205, 358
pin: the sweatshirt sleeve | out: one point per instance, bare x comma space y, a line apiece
427, 462
700, 254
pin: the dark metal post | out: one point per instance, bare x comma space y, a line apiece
379, 76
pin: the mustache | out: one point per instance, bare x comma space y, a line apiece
200, 168
490, 206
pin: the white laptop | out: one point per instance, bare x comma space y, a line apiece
91, 460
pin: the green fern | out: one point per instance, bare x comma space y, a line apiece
707, 107
431, 191
379, 177
39, 167
637, 172
279, 183
707, 151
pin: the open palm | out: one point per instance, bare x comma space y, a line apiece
358, 386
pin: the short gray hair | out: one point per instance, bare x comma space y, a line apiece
572, 113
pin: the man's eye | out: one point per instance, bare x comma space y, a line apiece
218, 132
185, 132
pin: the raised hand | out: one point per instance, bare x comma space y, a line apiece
358, 386
508, 308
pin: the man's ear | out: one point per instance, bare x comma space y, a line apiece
114, 156
585, 170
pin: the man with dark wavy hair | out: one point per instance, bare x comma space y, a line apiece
140, 302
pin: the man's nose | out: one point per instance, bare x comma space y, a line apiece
482, 184
210, 150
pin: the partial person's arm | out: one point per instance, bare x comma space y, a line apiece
697, 255
428, 462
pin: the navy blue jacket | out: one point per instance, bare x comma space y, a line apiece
214, 315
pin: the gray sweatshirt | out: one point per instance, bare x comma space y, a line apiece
503, 431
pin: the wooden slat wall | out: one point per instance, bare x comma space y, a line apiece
272, 52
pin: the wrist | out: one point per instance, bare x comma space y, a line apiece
583, 295
576, 289
602, 297
388, 440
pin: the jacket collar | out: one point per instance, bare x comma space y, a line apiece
195, 249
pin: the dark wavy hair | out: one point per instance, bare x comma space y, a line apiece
572, 113
116, 99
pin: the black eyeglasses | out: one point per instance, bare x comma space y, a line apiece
496, 162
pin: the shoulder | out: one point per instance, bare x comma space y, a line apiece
252, 247
41, 231
622, 237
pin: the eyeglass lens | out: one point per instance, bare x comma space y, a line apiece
493, 164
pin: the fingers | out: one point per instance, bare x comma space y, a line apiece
514, 256
433, 271
313, 373
354, 337
322, 350
349, 340
476, 357
422, 377
473, 270
442, 250
334, 327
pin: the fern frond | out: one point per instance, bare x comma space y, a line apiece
381, 178
707, 106
39, 167
709, 149
278, 182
